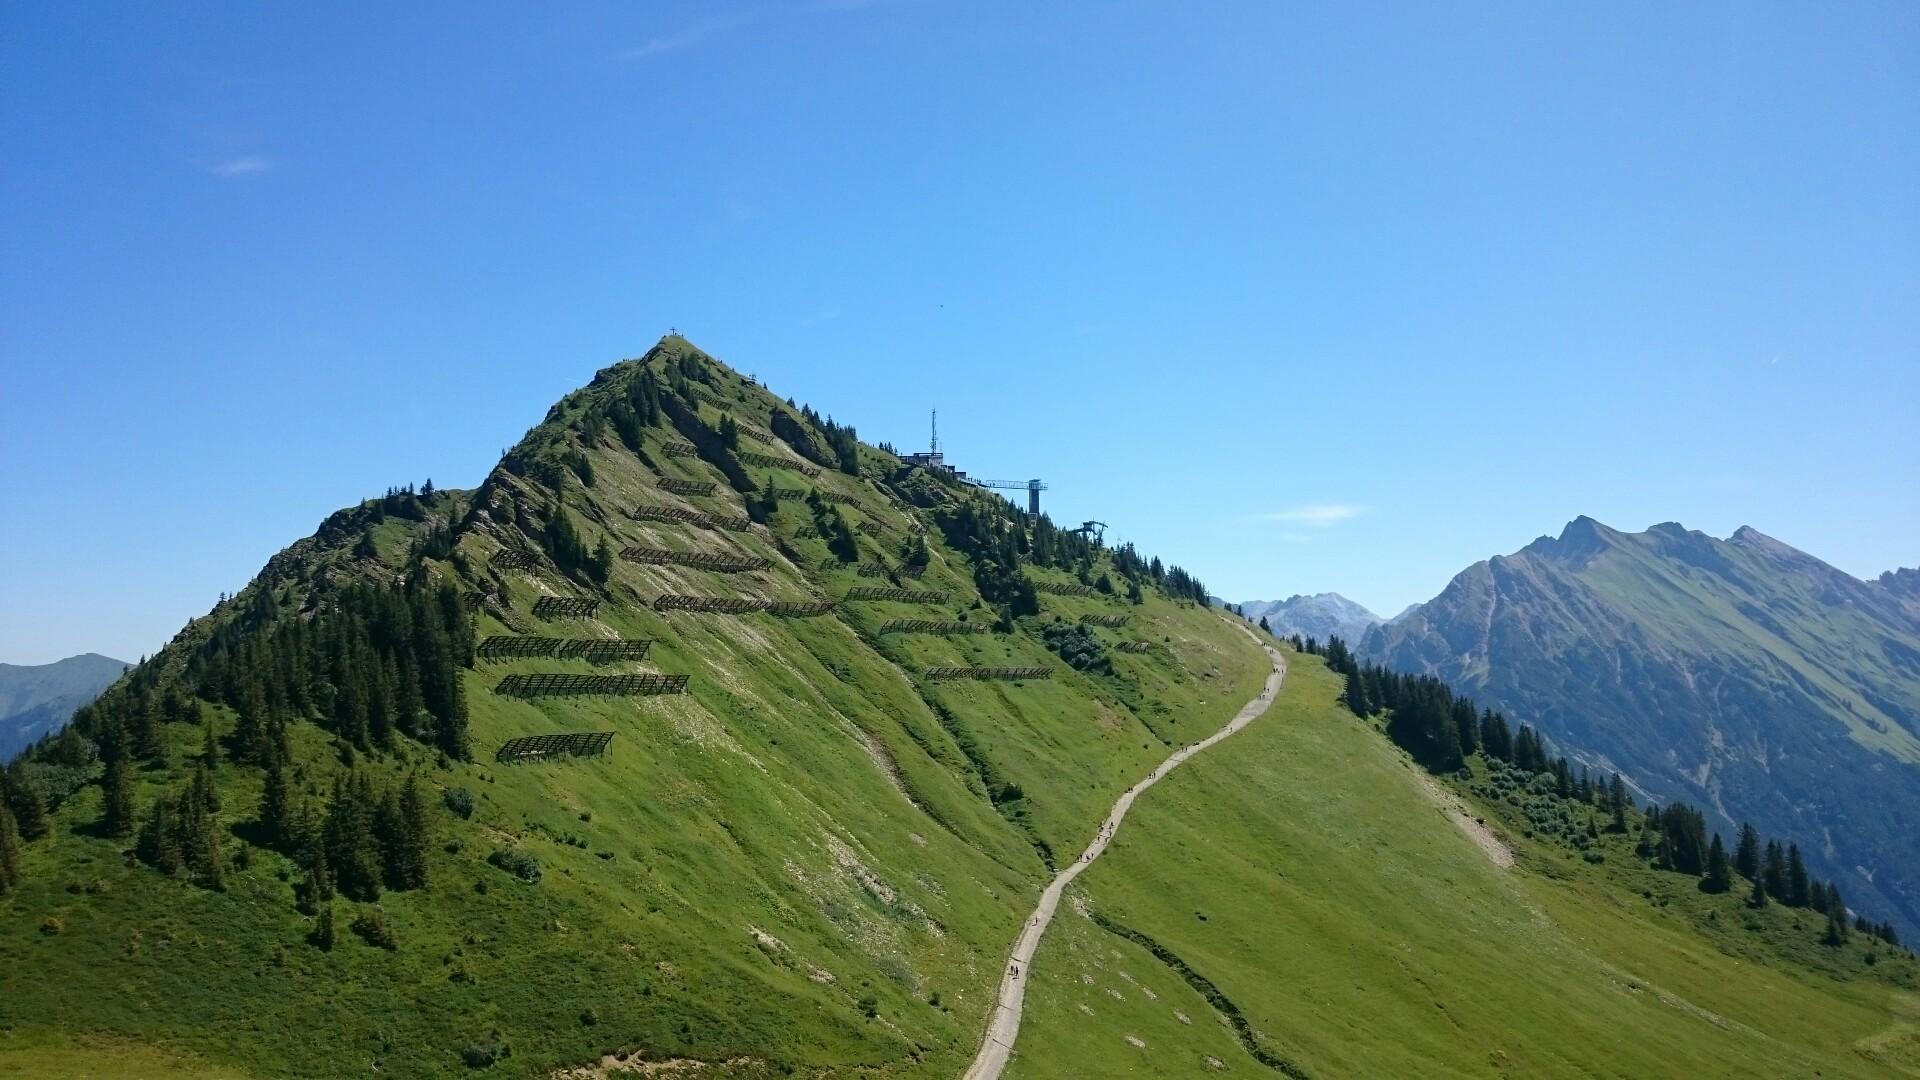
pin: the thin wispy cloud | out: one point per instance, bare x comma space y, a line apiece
1316, 515
699, 32
245, 165
680, 39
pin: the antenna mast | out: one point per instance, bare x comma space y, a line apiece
935, 448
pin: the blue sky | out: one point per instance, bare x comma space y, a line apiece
1341, 298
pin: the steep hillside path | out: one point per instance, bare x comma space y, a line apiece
1004, 1025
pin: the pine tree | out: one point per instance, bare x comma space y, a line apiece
1758, 897
1746, 854
1719, 876
1774, 869
1357, 696
1798, 890
315, 894
452, 728
9, 850
351, 848
1836, 934
159, 842
210, 745
25, 799
116, 815
323, 933
276, 809
418, 831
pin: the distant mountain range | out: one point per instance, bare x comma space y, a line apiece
1741, 675
38, 698
1321, 616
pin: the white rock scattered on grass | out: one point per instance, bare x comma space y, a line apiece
1114, 994
1215, 1062
1182, 1017
1137, 1041
1086, 1009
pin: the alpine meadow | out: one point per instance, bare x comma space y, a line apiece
724, 540
702, 736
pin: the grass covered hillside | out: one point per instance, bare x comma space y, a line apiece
283, 846
841, 720
1314, 879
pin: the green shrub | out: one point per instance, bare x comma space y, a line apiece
460, 801
518, 863
372, 926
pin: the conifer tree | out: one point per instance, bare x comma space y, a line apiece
1799, 893
322, 936
9, 850
159, 843
1719, 876
1836, 934
1746, 854
351, 848
25, 799
210, 744
1357, 696
1758, 897
276, 809
315, 894
116, 815
1774, 869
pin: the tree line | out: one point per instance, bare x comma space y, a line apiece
1440, 729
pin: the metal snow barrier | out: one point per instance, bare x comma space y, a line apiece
569, 685
536, 747
605, 650
720, 605
559, 607
989, 673
1063, 589
843, 500
930, 626
698, 560
1105, 620
790, 494
682, 515
905, 596
768, 461
868, 527
687, 487
678, 448
1134, 646
510, 646
741, 605
868, 569
516, 560
800, 609
756, 434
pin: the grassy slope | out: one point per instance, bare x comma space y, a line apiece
747, 864
1306, 874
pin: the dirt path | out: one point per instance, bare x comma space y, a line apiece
1476, 829
1004, 1025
